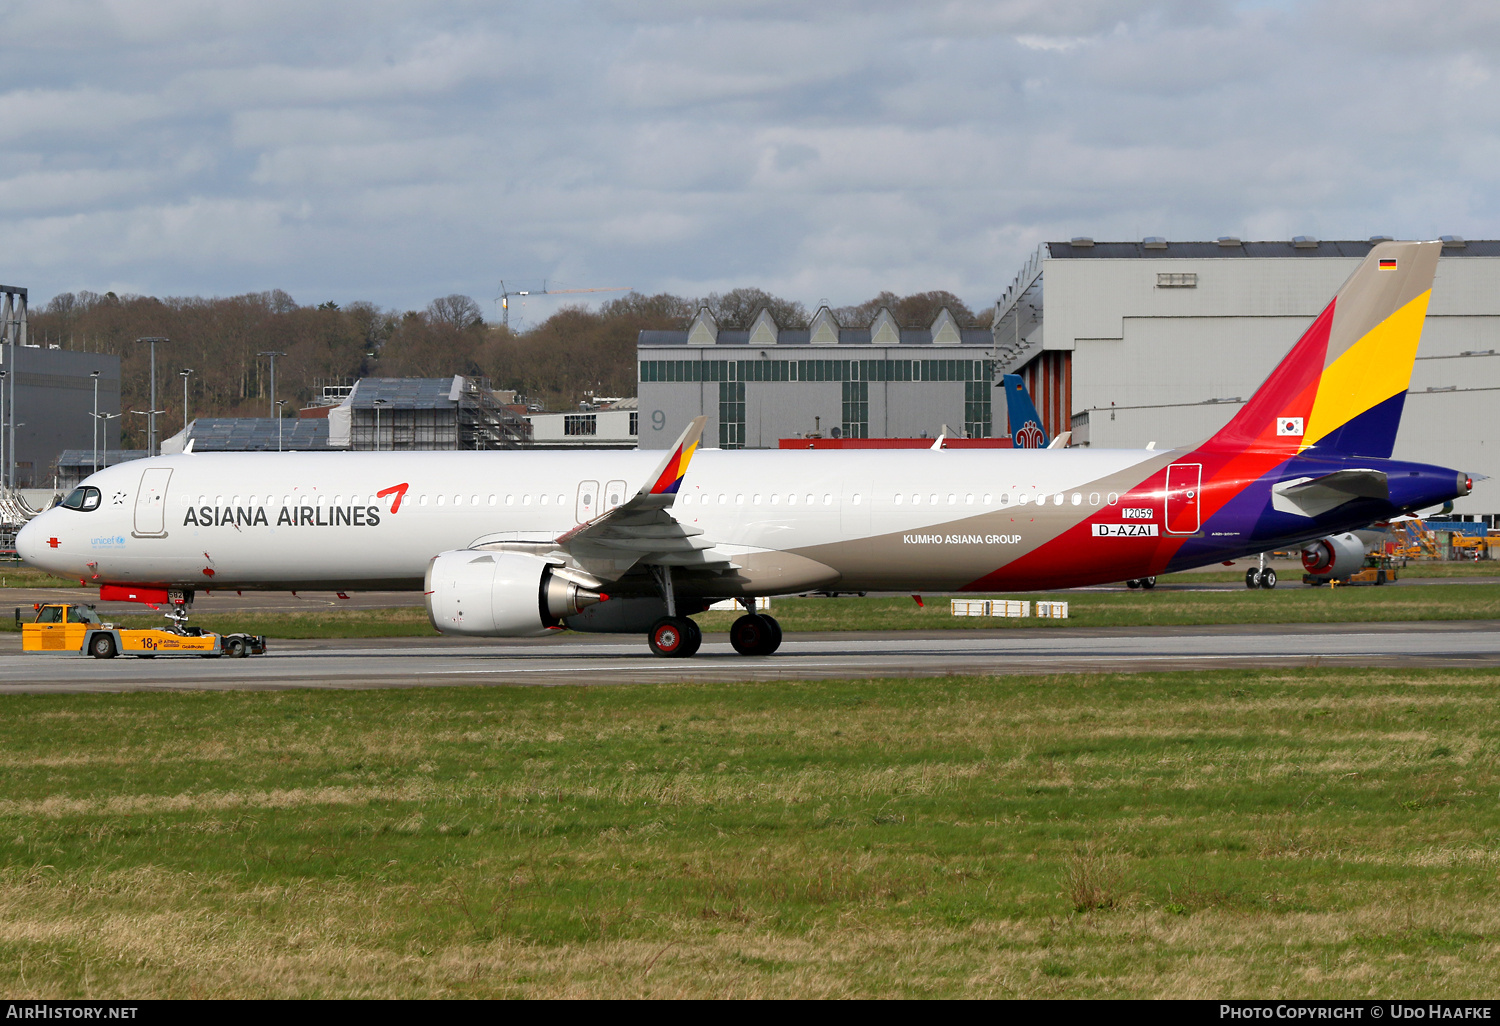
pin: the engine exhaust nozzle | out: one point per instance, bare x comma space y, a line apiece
566, 598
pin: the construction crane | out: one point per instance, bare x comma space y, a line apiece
505, 294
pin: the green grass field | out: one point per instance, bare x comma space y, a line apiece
1293, 577
1307, 833
18, 575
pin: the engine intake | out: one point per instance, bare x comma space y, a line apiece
1336, 556
500, 594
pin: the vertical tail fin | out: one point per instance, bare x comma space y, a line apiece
1026, 431
1343, 385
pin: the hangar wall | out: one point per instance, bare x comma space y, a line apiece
1157, 360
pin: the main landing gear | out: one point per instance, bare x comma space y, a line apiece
1141, 582
755, 634
677, 637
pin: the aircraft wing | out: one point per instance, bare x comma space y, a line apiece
641, 530
1312, 496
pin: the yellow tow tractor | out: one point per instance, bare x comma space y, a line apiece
71, 627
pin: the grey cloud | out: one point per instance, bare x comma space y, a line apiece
399, 150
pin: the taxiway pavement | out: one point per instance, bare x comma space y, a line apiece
281, 602
574, 659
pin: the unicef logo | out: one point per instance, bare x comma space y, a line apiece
1029, 437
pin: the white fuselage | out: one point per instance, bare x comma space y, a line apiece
303, 520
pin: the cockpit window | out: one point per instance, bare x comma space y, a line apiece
83, 499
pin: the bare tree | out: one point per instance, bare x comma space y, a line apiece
455, 311
738, 307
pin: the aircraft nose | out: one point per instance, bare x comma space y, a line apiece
27, 540
31, 543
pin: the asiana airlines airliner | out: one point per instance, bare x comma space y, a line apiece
514, 543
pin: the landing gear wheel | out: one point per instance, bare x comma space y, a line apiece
1268, 579
102, 647
671, 636
1252, 578
694, 638
1132, 584
775, 632
1148, 583
752, 635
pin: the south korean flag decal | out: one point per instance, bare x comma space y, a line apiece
1289, 427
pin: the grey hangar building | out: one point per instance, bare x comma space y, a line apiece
1124, 344
766, 383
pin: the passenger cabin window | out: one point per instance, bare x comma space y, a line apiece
85, 500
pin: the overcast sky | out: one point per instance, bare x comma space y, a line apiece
395, 151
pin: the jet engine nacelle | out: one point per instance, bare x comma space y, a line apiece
500, 594
1336, 556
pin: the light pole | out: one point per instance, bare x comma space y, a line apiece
273, 378
150, 416
185, 373
279, 404
151, 421
104, 419
14, 425
378, 403
95, 422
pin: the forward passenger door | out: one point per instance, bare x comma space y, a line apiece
151, 503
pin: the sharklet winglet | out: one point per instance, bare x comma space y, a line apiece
667, 477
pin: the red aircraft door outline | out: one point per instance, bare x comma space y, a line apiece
1184, 482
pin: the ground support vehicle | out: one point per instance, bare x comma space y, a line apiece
70, 627
1378, 569
1470, 547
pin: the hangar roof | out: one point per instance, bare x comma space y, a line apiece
76, 459
257, 434
799, 337
1145, 249
404, 393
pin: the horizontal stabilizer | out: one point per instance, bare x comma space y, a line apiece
1314, 496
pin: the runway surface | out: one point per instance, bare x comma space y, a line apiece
322, 601
583, 660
